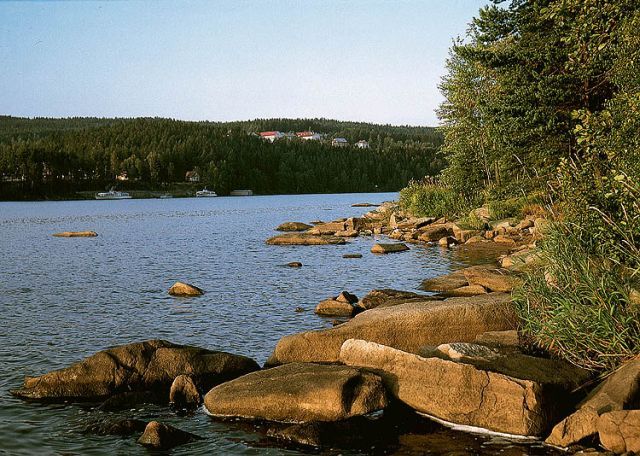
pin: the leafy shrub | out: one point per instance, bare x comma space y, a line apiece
428, 198
502, 209
472, 222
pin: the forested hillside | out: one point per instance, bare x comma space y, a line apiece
41, 157
542, 110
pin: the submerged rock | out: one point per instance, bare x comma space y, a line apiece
352, 255
305, 239
76, 234
185, 289
408, 327
299, 392
144, 366
389, 248
293, 226
160, 436
294, 264
119, 427
466, 394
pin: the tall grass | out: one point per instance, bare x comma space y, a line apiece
577, 304
429, 198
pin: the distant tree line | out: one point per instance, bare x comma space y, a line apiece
39, 157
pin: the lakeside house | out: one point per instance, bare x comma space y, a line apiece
271, 135
122, 176
309, 136
192, 176
362, 144
339, 142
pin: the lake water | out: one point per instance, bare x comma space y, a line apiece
64, 299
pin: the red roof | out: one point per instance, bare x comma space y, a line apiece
304, 133
268, 133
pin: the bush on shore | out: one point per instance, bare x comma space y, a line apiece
430, 198
577, 304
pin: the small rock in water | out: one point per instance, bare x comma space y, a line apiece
294, 264
184, 393
76, 234
299, 309
293, 226
389, 248
345, 296
161, 436
352, 255
185, 289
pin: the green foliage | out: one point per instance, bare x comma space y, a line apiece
472, 222
43, 157
428, 198
577, 304
507, 208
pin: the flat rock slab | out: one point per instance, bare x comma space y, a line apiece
76, 234
463, 393
389, 248
446, 282
388, 297
299, 393
294, 226
305, 239
491, 279
408, 327
144, 366
335, 308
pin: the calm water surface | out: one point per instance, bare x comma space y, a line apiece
64, 299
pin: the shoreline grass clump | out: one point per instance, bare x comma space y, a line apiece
430, 198
576, 305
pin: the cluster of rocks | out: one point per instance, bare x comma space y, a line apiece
453, 356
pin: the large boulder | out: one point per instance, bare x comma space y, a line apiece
491, 279
185, 289
435, 232
407, 327
342, 305
160, 436
144, 366
494, 394
294, 226
327, 228
76, 234
621, 390
304, 239
298, 392
619, 431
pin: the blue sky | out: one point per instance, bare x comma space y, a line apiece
377, 61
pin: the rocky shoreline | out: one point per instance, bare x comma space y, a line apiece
454, 355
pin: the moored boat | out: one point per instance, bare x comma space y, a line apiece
112, 195
205, 193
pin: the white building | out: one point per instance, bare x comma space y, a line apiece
339, 142
309, 136
271, 135
362, 144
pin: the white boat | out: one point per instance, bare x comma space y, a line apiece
205, 193
112, 195
165, 196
